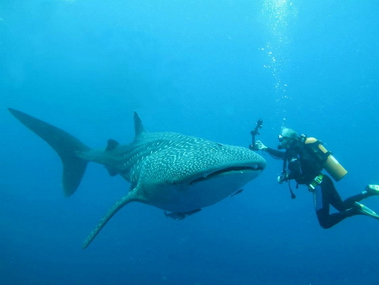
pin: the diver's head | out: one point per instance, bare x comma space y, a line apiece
288, 138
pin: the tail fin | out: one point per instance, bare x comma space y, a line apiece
64, 144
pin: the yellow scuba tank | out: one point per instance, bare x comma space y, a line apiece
331, 165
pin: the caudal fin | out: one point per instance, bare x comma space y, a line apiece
64, 144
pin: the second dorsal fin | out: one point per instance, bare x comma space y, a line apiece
112, 144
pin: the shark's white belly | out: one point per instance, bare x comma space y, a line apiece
186, 198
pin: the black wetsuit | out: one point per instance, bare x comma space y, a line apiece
303, 167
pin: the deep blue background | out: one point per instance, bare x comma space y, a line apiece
203, 68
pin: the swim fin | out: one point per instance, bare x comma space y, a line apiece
372, 190
363, 210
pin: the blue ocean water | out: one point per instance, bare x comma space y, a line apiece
202, 68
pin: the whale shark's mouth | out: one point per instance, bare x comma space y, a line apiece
228, 170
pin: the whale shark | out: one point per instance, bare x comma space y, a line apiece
177, 173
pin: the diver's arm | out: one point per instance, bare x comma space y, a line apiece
275, 153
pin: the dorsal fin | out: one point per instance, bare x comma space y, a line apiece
138, 127
112, 144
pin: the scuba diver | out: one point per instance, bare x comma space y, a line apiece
304, 159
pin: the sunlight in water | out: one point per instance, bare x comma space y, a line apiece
279, 14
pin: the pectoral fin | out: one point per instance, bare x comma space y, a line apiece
130, 197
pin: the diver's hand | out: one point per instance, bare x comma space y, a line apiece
282, 178
259, 146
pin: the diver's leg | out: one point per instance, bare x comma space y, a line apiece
370, 190
324, 196
330, 193
349, 202
349, 207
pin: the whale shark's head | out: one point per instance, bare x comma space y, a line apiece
190, 173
